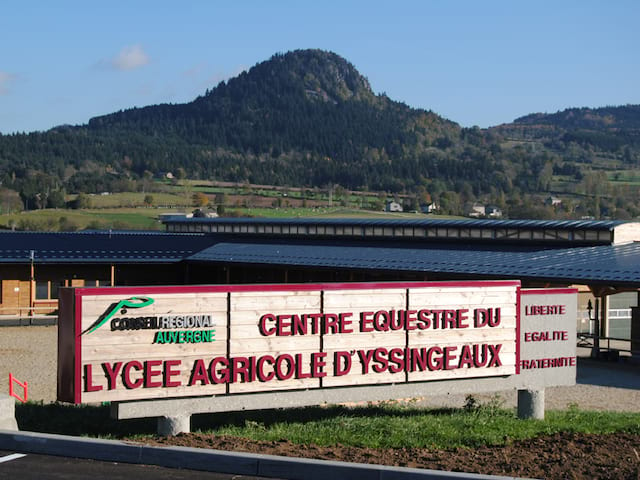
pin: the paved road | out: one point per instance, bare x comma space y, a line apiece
37, 467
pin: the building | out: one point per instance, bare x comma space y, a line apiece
475, 210
602, 257
393, 206
34, 265
553, 201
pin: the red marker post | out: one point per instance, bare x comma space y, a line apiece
25, 388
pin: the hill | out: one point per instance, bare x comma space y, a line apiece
606, 129
308, 118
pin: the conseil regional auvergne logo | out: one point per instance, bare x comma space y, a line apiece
122, 305
126, 315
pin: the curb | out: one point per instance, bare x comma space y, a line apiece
216, 460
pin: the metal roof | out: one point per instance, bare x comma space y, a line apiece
567, 232
426, 222
606, 264
99, 246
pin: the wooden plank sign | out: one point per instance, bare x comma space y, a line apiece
120, 344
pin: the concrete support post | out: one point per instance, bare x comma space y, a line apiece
168, 426
531, 404
7, 413
635, 333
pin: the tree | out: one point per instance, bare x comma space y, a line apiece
200, 199
81, 201
148, 200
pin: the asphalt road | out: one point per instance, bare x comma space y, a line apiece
37, 467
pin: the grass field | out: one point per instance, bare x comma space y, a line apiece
146, 218
377, 426
92, 219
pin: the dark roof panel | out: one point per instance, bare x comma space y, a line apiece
99, 247
602, 264
437, 222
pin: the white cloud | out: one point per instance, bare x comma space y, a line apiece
5, 80
130, 58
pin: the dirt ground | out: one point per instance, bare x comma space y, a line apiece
560, 456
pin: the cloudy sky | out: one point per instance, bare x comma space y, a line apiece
474, 62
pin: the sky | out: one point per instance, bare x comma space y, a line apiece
475, 62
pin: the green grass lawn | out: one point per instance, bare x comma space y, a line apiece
378, 426
99, 219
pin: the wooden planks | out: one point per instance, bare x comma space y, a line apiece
137, 345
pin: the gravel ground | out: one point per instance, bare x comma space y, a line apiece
30, 353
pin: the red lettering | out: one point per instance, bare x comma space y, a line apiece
315, 322
480, 317
381, 321
545, 309
88, 380
330, 323
366, 322
410, 319
494, 317
240, 369
299, 373
262, 324
479, 353
150, 372
222, 375
283, 327
449, 319
299, 326
425, 321
396, 360
462, 318
557, 362
434, 364
260, 367
318, 363
380, 356
495, 355
126, 375
365, 358
449, 356
341, 363
282, 374
396, 321
112, 373
170, 372
198, 373
345, 323
466, 359
546, 336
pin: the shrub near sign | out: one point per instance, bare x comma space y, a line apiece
118, 344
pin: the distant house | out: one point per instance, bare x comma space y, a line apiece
492, 211
475, 210
430, 208
393, 206
203, 213
552, 201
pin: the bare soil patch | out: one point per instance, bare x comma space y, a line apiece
559, 456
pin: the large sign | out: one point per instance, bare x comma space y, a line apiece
118, 344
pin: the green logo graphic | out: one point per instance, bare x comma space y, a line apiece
122, 305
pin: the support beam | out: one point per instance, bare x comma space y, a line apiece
168, 426
7, 413
531, 404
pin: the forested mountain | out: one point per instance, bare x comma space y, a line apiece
309, 118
